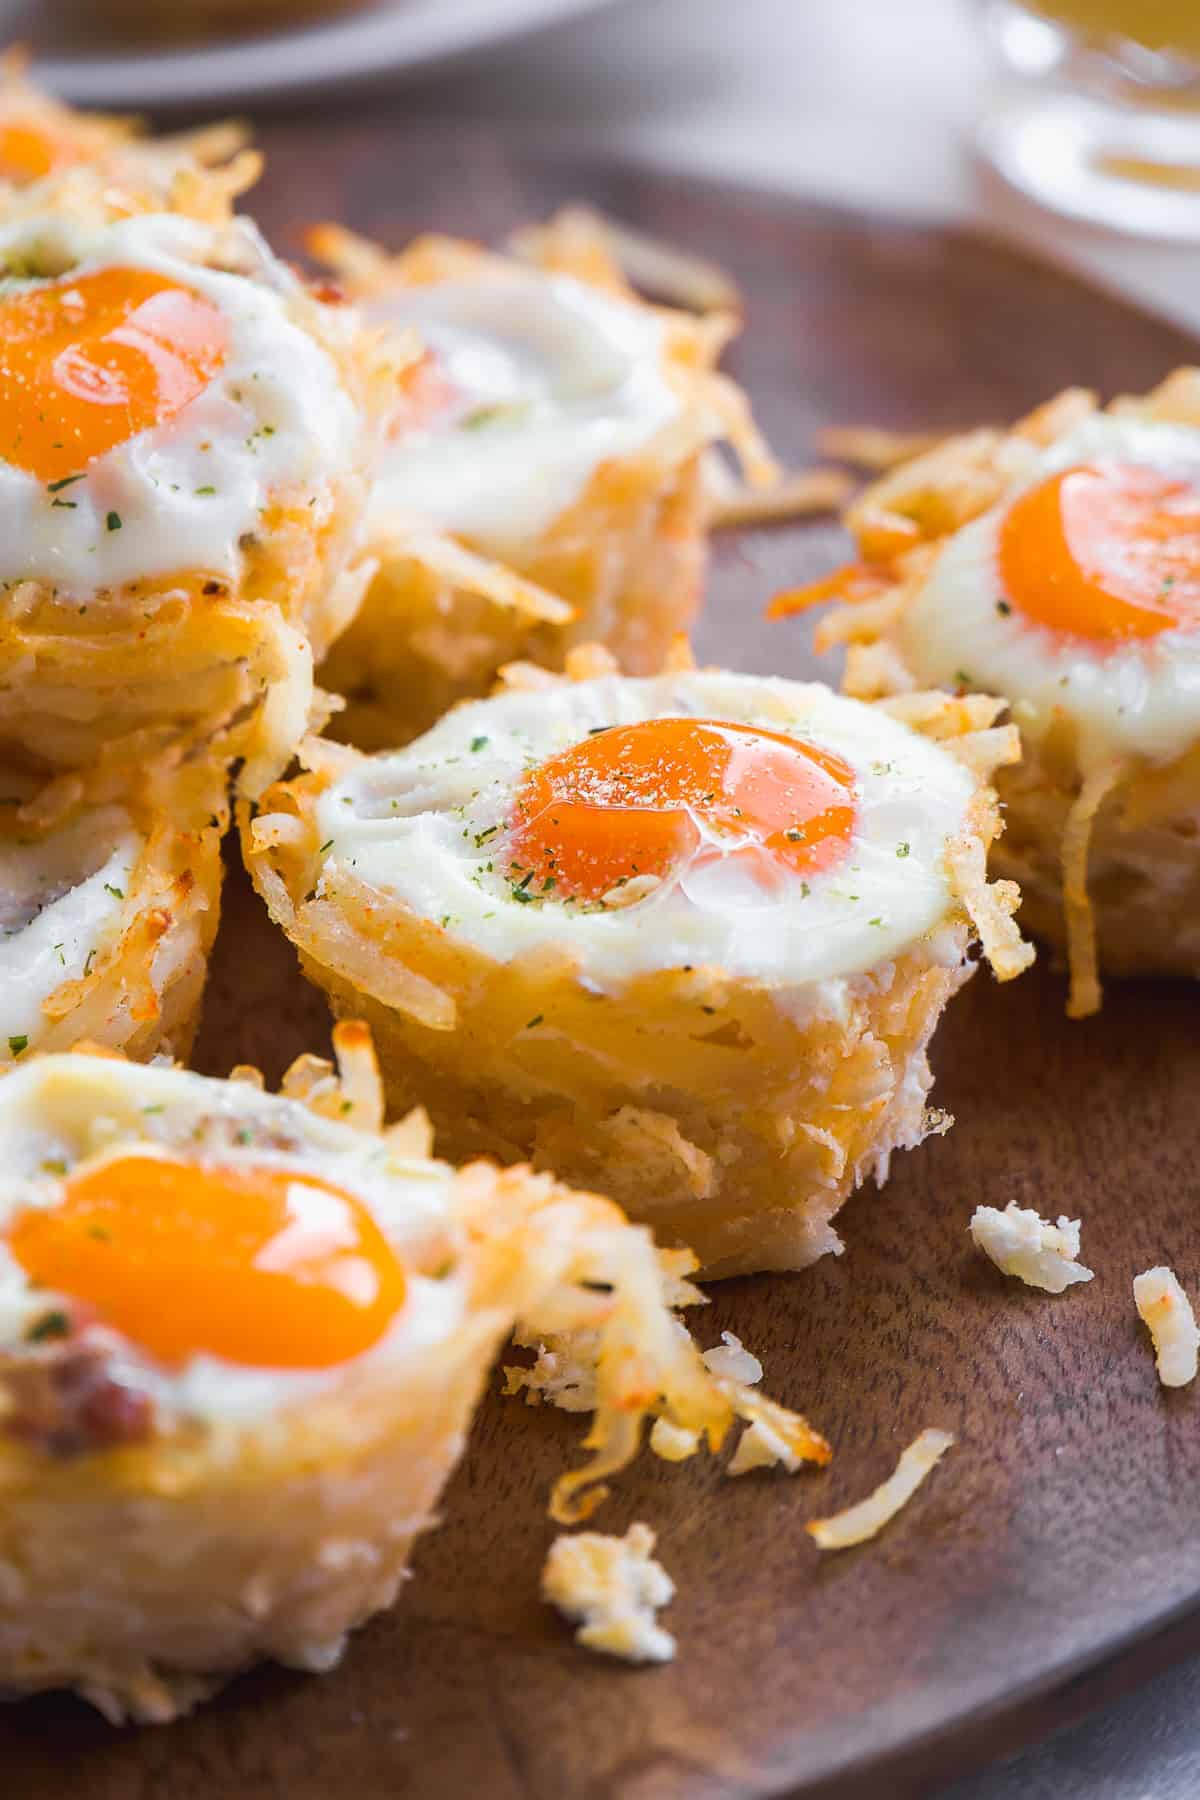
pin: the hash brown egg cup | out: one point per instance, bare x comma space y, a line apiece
544, 485
684, 939
109, 901
1056, 565
185, 460
242, 1336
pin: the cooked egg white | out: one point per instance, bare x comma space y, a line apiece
428, 824
545, 379
179, 496
58, 1111
61, 902
1140, 697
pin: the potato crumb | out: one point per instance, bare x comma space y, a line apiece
867, 1519
673, 1443
1166, 1310
759, 1447
731, 1358
1023, 1244
613, 1587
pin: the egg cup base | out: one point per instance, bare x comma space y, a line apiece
748, 1172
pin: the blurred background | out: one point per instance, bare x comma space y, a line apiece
904, 106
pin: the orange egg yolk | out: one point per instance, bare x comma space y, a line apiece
27, 153
1108, 551
649, 799
260, 1266
88, 361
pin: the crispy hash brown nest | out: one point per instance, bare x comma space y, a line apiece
1106, 857
167, 663
142, 992
145, 1561
623, 565
106, 157
705, 1105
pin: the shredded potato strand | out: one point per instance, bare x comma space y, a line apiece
866, 1520
1085, 994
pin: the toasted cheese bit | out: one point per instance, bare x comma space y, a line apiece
613, 1587
1166, 1310
1023, 1244
868, 1518
730, 1357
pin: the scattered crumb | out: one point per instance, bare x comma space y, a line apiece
613, 1587
674, 1443
732, 1359
1166, 1310
564, 1374
1023, 1244
867, 1519
759, 1447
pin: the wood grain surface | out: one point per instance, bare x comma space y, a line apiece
1066, 1524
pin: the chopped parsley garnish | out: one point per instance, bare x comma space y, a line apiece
481, 837
54, 1165
114, 891
87, 967
113, 521
18, 1044
477, 743
243, 1135
50, 1325
161, 1107
327, 845
58, 951
962, 677
536, 1020
903, 849
69, 504
206, 490
1003, 607
56, 487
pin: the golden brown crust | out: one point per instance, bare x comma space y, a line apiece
142, 993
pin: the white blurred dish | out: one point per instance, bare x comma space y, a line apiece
387, 37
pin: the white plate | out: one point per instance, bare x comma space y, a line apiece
388, 37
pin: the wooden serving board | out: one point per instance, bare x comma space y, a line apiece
1066, 1524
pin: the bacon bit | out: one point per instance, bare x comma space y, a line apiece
850, 584
60, 1399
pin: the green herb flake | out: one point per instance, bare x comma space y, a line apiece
54, 1165
50, 1325
17, 1045
206, 490
116, 892
536, 1020
477, 743
113, 521
56, 487
327, 845
903, 850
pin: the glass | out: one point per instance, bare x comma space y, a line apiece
1098, 110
